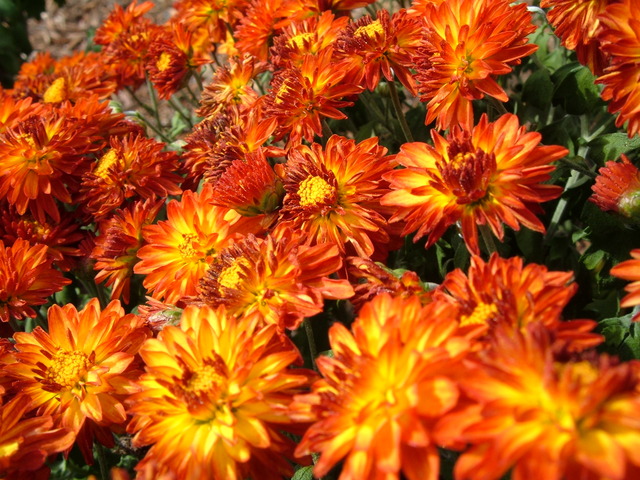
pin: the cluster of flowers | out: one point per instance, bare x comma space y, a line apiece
248, 229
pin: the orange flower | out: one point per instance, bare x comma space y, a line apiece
333, 194
61, 238
617, 188
488, 176
546, 419
213, 401
275, 279
506, 293
180, 249
118, 244
25, 443
81, 371
301, 97
630, 270
171, 59
231, 86
621, 79
577, 23
308, 36
13, 111
467, 44
380, 47
26, 279
134, 167
371, 279
210, 19
384, 389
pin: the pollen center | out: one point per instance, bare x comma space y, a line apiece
163, 61
314, 190
203, 379
108, 159
57, 91
370, 30
67, 368
299, 40
231, 276
468, 172
480, 315
186, 247
9, 449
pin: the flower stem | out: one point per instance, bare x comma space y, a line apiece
177, 108
154, 100
395, 99
313, 351
487, 238
102, 461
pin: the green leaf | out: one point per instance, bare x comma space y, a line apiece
538, 89
304, 473
622, 336
611, 146
575, 89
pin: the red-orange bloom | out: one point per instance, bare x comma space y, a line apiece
577, 23
134, 167
13, 111
546, 419
26, 279
276, 279
617, 188
209, 19
25, 443
630, 270
301, 96
620, 38
81, 370
380, 47
180, 249
333, 194
384, 390
505, 293
213, 401
491, 175
118, 243
467, 44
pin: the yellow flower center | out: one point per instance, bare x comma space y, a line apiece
186, 247
282, 92
67, 368
230, 277
9, 449
163, 61
299, 40
57, 91
314, 190
203, 380
29, 139
370, 30
480, 315
108, 159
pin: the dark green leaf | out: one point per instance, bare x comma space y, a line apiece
304, 473
575, 89
622, 336
611, 146
538, 89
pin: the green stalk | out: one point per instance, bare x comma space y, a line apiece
313, 351
395, 99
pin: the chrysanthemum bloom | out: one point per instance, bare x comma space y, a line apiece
62, 238
384, 390
81, 370
126, 36
630, 270
333, 194
507, 293
231, 86
118, 243
171, 59
180, 249
371, 279
546, 419
617, 188
133, 167
213, 401
209, 20
621, 40
13, 111
307, 36
467, 44
25, 443
275, 279
301, 97
26, 279
380, 47
250, 187
488, 176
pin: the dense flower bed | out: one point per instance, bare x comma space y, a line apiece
334, 239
